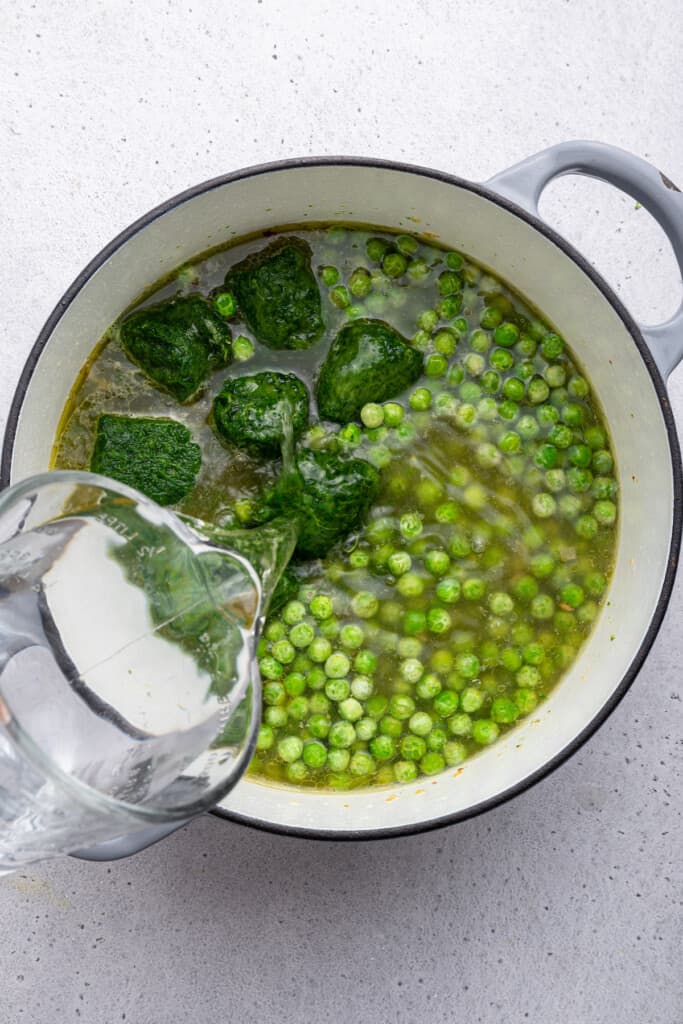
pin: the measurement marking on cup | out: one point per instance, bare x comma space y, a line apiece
117, 526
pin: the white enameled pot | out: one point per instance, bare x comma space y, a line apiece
498, 225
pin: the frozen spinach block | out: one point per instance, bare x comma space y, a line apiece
155, 456
251, 412
277, 294
177, 343
368, 361
328, 495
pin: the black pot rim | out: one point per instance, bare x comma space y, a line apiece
629, 323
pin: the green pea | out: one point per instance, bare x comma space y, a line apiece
339, 297
295, 684
273, 692
578, 387
561, 436
275, 630
319, 725
383, 747
527, 428
525, 587
471, 699
329, 276
501, 603
270, 668
542, 607
546, 456
360, 283
454, 753
405, 771
438, 620
342, 734
364, 604
447, 512
337, 665
484, 731
490, 317
605, 512
446, 703
428, 687
526, 369
351, 637
604, 487
401, 706
552, 346
501, 359
351, 434
350, 709
445, 342
449, 282
394, 264
362, 763
432, 763
413, 747
603, 463
460, 724
595, 438
242, 348
473, 589
555, 480
529, 676
543, 505
320, 607
410, 585
504, 711
555, 375
427, 492
298, 709
320, 649
265, 738
420, 399
534, 653
506, 334
537, 391
595, 583
525, 700
290, 748
276, 717
301, 635
414, 622
226, 304
510, 442
314, 754
372, 414
316, 678
490, 381
337, 689
586, 527
376, 248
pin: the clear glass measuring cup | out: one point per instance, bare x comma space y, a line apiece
129, 694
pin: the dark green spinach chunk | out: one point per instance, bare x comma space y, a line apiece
251, 412
155, 456
277, 294
177, 343
368, 361
328, 495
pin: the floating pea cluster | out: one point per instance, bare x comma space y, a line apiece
480, 572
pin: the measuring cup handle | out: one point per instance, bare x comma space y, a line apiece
524, 183
125, 846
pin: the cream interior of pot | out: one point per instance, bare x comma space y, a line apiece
552, 281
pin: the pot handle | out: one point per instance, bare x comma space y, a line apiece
524, 183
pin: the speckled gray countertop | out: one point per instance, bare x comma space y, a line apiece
564, 905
